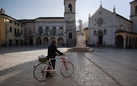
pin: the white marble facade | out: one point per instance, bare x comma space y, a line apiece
103, 24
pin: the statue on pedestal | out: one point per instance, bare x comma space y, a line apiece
80, 36
81, 40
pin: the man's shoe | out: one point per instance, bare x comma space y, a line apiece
48, 75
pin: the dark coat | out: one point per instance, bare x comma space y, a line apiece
52, 51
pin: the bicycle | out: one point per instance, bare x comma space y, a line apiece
45, 66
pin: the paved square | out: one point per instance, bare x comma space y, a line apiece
16, 67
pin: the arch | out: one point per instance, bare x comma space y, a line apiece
136, 10
38, 41
52, 38
40, 31
61, 31
54, 31
45, 41
136, 42
119, 40
100, 32
70, 8
60, 41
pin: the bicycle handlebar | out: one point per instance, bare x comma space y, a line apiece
61, 55
62, 58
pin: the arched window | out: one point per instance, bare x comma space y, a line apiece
38, 41
94, 33
119, 41
47, 31
100, 32
136, 10
105, 31
61, 30
70, 8
45, 41
40, 30
54, 31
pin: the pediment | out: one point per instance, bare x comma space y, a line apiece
100, 12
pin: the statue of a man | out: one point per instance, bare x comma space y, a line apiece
80, 26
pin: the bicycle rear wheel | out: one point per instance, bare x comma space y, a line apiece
66, 69
40, 72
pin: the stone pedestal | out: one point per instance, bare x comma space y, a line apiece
81, 42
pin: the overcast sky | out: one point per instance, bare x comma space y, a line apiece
31, 9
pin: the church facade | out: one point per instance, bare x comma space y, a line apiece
111, 29
42, 30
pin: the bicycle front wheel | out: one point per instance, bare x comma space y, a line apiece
66, 69
40, 72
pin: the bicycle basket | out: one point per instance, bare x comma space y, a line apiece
42, 58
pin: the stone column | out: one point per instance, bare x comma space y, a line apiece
124, 44
34, 40
41, 40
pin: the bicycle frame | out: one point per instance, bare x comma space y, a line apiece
50, 64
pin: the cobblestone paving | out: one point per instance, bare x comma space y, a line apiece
120, 64
16, 67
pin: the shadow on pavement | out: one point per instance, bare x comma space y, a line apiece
4, 50
18, 75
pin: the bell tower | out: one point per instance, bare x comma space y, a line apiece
70, 14
133, 15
